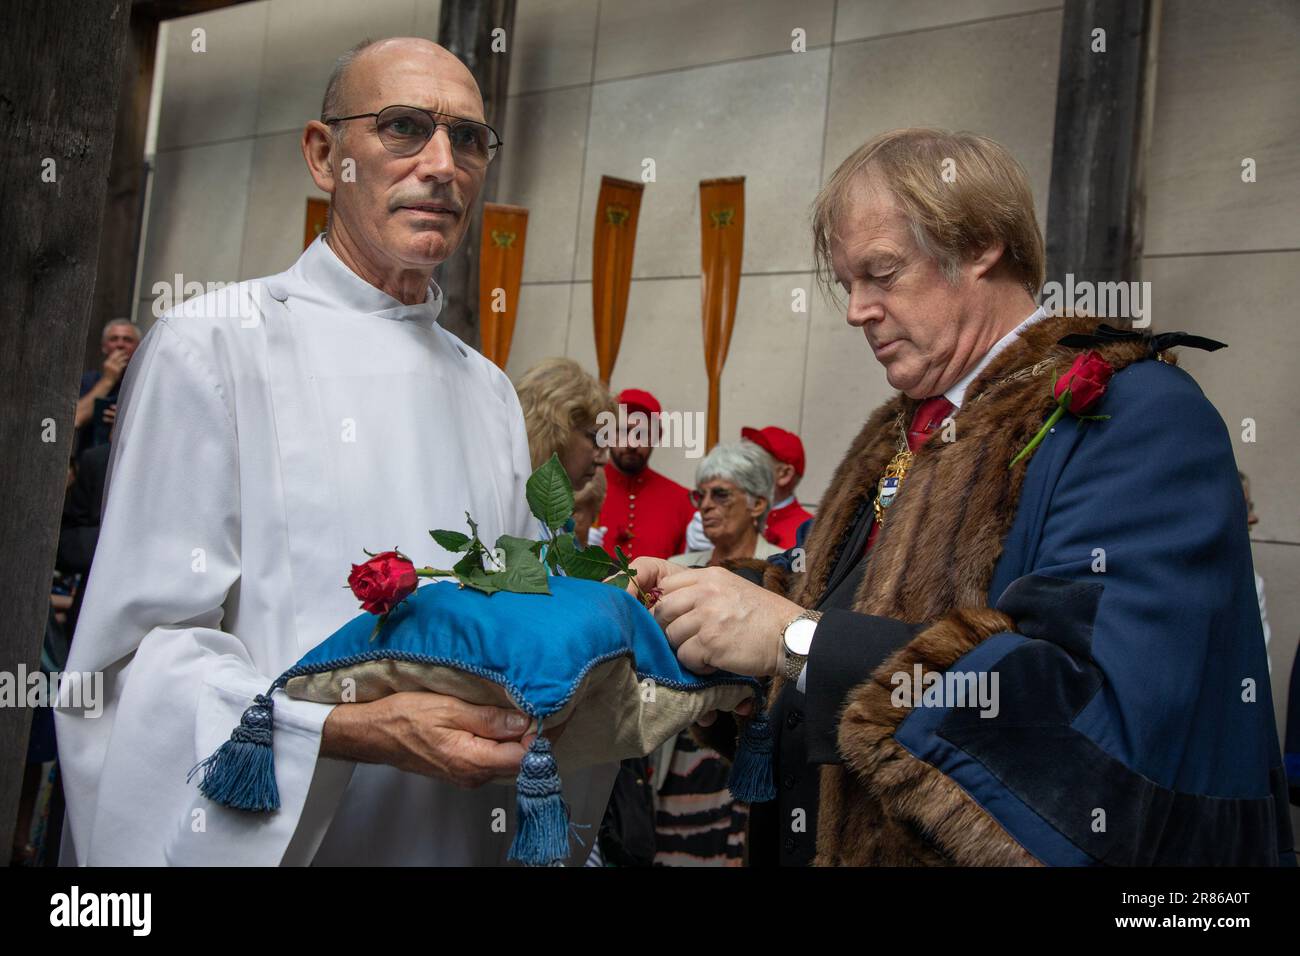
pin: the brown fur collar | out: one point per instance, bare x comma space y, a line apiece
944, 509
931, 565
912, 814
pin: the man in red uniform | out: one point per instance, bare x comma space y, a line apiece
787, 463
644, 512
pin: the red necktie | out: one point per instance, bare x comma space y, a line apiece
929, 416
926, 420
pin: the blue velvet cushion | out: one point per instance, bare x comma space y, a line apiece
587, 656
538, 647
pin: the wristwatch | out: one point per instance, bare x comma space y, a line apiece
796, 641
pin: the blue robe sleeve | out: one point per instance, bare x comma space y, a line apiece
1131, 719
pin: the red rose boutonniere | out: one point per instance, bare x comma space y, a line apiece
1077, 391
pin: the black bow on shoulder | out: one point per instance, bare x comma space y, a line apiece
1108, 335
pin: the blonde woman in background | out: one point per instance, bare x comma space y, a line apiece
561, 403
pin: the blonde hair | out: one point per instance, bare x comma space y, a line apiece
558, 396
987, 202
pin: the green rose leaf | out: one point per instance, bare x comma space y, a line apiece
471, 562
470, 573
523, 572
550, 494
480, 580
453, 541
623, 562
592, 564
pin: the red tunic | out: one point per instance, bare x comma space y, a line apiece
782, 523
645, 514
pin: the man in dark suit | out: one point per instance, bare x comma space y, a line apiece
79, 532
1027, 630
118, 343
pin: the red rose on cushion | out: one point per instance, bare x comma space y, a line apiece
1086, 380
383, 582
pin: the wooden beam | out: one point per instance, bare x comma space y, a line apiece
465, 28
167, 9
60, 61
1094, 216
127, 176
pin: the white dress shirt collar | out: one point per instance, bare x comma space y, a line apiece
958, 391
321, 268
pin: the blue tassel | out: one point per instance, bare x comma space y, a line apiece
751, 772
241, 774
542, 831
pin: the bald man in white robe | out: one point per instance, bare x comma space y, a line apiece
265, 437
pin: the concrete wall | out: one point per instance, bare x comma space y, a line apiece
1223, 256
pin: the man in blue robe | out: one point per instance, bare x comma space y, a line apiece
1023, 630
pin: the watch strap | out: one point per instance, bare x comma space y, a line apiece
792, 664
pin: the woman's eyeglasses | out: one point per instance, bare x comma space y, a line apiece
404, 130
721, 496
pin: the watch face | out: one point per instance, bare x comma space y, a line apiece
798, 636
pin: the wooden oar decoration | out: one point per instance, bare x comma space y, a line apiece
318, 214
500, 270
617, 210
722, 246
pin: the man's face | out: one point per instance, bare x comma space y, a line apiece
631, 459
910, 313
121, 338
407, 212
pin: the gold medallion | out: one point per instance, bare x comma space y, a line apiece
891, 482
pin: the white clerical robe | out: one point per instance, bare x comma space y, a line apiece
263, 440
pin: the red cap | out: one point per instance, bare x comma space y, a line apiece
780, 444
637, 399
